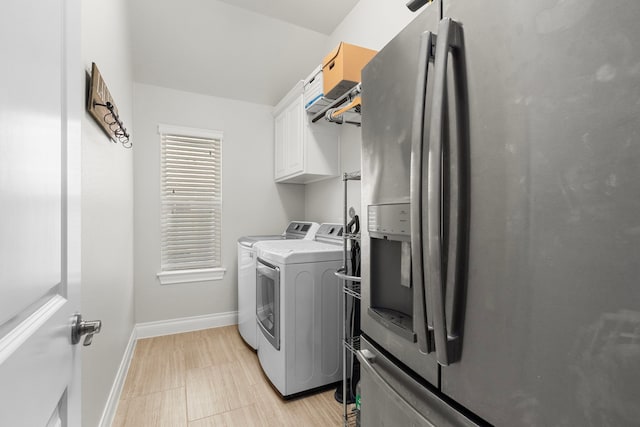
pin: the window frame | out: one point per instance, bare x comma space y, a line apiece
168, 277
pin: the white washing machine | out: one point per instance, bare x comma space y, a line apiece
298, 311
247, 274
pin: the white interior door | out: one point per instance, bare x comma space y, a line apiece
40, 106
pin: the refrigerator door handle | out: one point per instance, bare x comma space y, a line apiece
420, 118
440, 277
367, 359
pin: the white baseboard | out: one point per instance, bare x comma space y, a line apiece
116, 389
185, 324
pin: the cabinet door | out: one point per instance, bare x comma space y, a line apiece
294, 142
304, 152
281, 133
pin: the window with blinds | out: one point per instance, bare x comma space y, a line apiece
191, 199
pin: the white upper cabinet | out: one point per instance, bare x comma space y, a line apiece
304, 152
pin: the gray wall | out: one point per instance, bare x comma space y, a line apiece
107, 209
251, 202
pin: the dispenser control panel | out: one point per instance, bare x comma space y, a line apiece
389, 220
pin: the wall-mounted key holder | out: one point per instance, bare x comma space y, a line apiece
103, 109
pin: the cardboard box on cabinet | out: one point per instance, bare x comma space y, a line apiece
342, 66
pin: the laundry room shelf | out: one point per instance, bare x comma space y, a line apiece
352, 344
352, 236
351, 300
343, 275
351, 283
345, 109
351, 176
352, 289
351, 417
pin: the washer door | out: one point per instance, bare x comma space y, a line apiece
268, 301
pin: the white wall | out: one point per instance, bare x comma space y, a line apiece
324, 199
372, 24
252, 202
107, 208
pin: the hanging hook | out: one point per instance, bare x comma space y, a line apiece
115, 124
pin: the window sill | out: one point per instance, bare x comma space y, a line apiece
187, 276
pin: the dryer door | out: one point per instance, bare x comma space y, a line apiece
268, 301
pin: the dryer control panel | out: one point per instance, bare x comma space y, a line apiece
301, 230
330, 232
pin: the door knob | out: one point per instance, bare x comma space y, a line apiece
80, 327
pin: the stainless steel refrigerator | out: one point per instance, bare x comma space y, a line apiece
501, 203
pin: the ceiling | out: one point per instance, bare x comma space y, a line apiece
251, 50
321, 16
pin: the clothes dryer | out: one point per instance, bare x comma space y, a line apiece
298, 311
247, 326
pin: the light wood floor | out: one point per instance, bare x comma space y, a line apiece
211, 378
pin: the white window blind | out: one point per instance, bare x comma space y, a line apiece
191, 199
